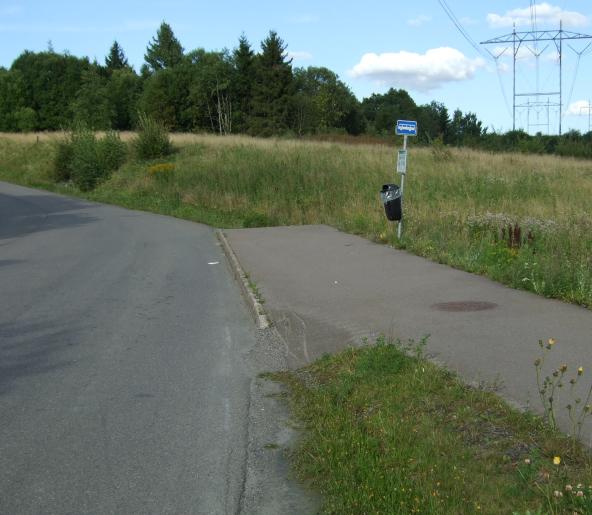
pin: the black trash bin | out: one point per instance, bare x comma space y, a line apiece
391, 198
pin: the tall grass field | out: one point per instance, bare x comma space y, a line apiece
522, 220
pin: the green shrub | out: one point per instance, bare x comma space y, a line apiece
112, 151
84, 160
86, 166
153, 139
62, 161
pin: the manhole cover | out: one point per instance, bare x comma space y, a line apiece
466, 305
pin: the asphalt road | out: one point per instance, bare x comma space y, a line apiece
124, 383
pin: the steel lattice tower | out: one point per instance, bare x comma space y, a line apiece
516, 40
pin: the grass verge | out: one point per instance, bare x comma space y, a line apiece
386, 432
522, 220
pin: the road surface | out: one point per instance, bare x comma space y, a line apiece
124, 378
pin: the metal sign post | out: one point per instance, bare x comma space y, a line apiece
405, 128
402, 169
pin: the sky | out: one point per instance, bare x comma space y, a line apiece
372, 45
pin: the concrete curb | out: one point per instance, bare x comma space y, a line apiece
254, 305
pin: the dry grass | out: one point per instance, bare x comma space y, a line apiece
458, 205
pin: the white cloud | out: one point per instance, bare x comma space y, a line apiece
421, 72
579, 108
546, 14
418, 21
299, 56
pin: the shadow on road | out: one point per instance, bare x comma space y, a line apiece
27, 214
30, 349
9, 262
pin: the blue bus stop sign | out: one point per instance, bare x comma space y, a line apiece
406, 128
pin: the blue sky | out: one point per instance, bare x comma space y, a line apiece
371, 45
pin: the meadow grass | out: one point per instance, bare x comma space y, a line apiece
460, 207
386, 432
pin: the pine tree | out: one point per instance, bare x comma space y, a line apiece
243, 59
116, 59
272, 89
165, 50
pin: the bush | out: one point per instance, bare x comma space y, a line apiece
86, 167
111, 151
62, 161
153, 139
79, 157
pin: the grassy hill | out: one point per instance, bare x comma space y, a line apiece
523, 220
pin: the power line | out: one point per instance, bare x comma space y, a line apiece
501, 84
577, 68
459, 26
450, 13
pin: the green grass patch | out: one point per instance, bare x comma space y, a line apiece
384, 432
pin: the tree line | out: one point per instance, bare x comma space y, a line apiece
238, 91
230, 91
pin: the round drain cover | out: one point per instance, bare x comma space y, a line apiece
465, 305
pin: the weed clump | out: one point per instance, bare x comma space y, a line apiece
153, 139
440, 152
162, 171
257, 219
388, 431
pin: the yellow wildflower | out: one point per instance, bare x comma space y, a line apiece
556, 460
